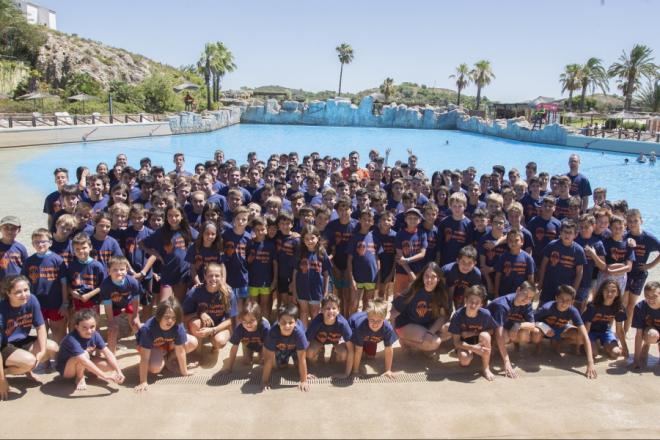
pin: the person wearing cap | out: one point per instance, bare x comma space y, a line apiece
410, 245
12, 253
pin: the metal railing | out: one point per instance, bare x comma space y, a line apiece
37, 120
621, 133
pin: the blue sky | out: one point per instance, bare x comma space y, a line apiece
291, 43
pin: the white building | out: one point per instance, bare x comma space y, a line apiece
36, 14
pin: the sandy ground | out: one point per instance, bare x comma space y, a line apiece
429, 398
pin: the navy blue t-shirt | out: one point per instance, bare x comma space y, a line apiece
543, 231
433, 243
618, 251
11, 259
549, 314
646, 243
260, 258
16, 322
601, 316
235, 257
386, 249
120, 295
46, 273
74, 345
410, 244
514, 269
201, 258
362, 333
460, 322
459, 281
588, 269
580, 185
276, 341
151, 336
561, 268
506, 313
365, 264
173, 253
286, 255
254, 340
454, 235
416, 311
338, 237
200, 300
309, 275
136, 256
86, 276
644, 317
323, 333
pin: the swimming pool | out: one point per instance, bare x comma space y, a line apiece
637, 183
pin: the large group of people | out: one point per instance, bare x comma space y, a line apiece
286, 256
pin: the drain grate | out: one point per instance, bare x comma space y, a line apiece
292, 379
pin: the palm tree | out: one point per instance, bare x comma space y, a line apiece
481, 75
222, 62
204, 66
570, 80
214, 63
592, 74
345, 54
649, 96
387, 88
630, 68
462, 76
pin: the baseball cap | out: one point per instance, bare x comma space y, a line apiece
414, 211
10, 220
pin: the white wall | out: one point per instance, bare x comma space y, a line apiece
607, 144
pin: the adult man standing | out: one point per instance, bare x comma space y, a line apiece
580, 185
354, 168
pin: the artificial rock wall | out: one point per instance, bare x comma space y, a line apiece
342, 113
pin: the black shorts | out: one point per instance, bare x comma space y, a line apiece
283, 285
11, 347
472, 340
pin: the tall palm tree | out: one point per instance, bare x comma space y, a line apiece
481, 75
387, 88
204, 66
345, 54
630, 68
570, 80
593, 74
222, 63
462, 76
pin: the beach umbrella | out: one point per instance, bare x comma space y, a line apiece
591, 113
186, 86
36, 96
82, 97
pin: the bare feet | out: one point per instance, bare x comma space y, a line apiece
81, 385
488, 375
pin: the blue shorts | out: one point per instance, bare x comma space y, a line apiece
240, 292
605, 338
636, 281
282, 357
558, 331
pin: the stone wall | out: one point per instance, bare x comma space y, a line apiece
342, 113
188, 122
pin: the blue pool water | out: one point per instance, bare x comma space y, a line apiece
637, 183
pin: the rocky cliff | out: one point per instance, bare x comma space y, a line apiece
64, 53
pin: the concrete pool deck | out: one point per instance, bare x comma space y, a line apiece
428, 399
